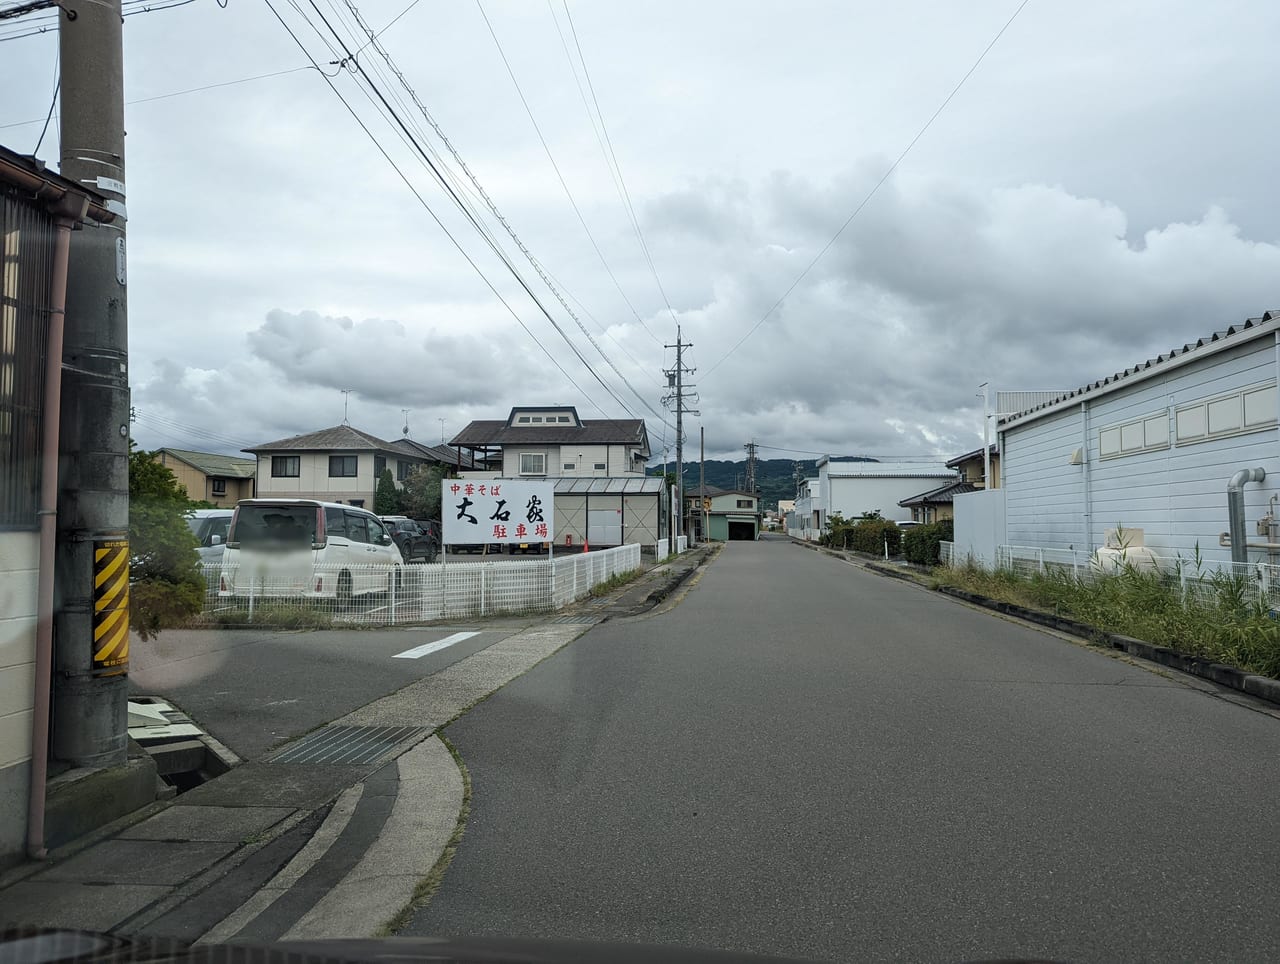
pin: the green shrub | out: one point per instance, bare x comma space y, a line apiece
923, 544
867, 533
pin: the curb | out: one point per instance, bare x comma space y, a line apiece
1261, 687
674, 582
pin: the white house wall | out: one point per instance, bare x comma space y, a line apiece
19, 562
582, 460
852, 496
1177, 495
313, 481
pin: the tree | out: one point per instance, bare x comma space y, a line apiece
421, 495
386, 498
165, 582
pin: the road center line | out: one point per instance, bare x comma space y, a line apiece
419, 651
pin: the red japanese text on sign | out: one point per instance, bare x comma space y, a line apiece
499, 532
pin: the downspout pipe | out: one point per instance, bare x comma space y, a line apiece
69, 210
1235, 510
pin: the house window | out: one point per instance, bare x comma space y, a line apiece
533, 463
1147, 434
600, 466
218, 486
1252, 409
343, 466
564, 419
746, 504
569, 466
537, 418
523, 420
379, 464
403, 469
286, 466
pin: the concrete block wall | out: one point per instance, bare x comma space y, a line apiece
19, 559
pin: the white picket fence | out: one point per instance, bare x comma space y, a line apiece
391, 595
1205, 582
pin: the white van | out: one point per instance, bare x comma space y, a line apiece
299, 547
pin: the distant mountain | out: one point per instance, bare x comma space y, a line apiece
775, 478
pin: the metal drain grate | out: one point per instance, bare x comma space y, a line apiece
578, 620
348, 745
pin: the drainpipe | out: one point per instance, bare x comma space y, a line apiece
1235, 510
69, 210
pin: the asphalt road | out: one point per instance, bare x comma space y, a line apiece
256, 689
804, 758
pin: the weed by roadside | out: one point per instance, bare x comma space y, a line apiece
615, 581
266, 615
1226, 621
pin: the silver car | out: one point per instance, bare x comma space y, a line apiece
210, 528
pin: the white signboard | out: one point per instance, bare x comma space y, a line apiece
474, 512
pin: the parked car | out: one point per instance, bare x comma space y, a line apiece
414, 542
210, 526
301, 547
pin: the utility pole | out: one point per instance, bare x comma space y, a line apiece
441, 421
702, 480
675, 380
91, 625
799, 475
751, 466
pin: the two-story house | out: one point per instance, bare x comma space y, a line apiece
730, 514
602, 495
339, 464
221, 479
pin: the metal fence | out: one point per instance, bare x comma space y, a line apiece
946, 553
1202, 582
391, 595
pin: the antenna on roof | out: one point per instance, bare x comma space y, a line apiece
405, 431
346, 397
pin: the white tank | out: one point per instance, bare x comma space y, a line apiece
1111, 561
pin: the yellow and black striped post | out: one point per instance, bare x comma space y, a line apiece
110, 607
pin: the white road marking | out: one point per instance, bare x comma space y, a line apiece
419, 651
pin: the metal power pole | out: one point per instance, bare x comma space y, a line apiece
751, 466
91, 625
675, 379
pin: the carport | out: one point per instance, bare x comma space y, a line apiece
742, 528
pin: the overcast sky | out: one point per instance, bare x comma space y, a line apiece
1101, 189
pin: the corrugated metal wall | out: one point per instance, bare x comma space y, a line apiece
26, 261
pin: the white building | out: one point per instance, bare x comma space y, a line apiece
855, 488
1153, 448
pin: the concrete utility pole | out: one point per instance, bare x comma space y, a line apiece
91, 628
675, 379
751, 466
702, 481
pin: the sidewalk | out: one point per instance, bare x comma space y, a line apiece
332, 835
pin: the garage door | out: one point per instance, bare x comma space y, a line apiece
741, 531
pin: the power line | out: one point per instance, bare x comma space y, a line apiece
189, 90
50, 22
870, 194
421, 200
556, 167
349, 61
620, 181
488, 202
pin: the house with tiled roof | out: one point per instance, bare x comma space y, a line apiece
1181, 450
602, 497
338, 464
220, 479
552, 441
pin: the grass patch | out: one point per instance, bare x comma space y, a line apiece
271, 615
617, 580
1226, 620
